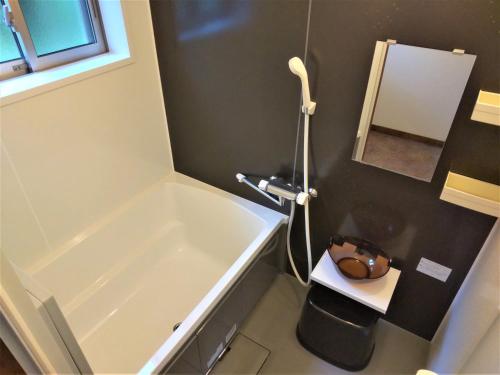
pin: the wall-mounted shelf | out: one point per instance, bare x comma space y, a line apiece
376, 293
487, 108
473, 194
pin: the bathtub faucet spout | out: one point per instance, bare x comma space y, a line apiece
245, 180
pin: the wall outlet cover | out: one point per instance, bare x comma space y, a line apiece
433, 269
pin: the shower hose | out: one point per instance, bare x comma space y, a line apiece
307, 282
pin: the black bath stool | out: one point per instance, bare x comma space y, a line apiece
337, 329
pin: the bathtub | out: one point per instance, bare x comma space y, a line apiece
169, 255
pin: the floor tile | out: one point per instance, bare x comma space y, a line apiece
272, 324
245, 357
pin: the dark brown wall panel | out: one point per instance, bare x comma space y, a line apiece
232, 105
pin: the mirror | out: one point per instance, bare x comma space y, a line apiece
412, 96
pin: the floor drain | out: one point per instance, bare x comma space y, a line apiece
176, 325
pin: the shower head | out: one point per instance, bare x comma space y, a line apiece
297, 67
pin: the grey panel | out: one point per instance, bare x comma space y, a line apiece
221, 327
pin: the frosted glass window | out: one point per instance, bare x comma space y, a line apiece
8, 46
42, 34
57, 25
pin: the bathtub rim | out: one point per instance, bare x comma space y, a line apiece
191, 324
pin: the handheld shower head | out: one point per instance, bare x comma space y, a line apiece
297, 67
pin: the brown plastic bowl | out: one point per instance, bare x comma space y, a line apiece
358, 259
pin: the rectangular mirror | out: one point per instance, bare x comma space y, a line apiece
412, 96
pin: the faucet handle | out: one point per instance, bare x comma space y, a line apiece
303, 197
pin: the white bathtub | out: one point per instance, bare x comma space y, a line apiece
169, 255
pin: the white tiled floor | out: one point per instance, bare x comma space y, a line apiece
272, 326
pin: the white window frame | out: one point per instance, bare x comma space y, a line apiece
13, 68
115, 16
37, 63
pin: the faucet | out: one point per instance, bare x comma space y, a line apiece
278, 191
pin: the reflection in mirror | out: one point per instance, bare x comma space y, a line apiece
412, 96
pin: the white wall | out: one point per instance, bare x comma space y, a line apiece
486, 357
73, 154
472, 314
421, 89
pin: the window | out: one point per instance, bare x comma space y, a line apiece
39, 34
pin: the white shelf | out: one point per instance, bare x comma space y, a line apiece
473, 194
487, 108
375, 293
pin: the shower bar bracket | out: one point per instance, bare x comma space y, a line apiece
309, 109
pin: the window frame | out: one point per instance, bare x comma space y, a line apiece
13, 68
35, 63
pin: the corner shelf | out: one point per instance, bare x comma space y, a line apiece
375, 293
473, 194
487, 108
